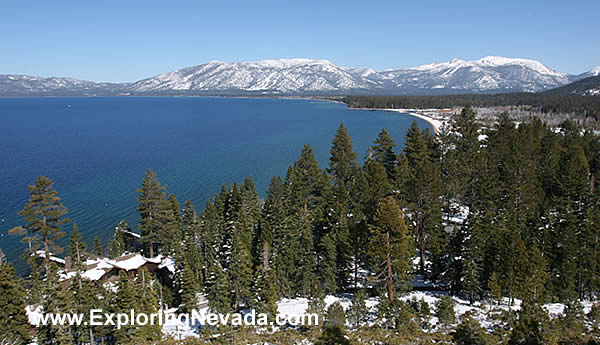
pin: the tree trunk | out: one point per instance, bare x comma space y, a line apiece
265, 256
421, 249
357, 241
91, 336
390, 282
46, 247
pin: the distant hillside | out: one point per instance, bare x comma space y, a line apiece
584, 87
581, 99
307, 77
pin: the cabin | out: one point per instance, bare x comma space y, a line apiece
102, 269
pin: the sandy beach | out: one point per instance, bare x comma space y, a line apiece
434, 122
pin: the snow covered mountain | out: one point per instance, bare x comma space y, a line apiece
594, 72
492, 73
268, 76
23, 85
314, 77
299, 76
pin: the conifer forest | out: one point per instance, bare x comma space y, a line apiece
471, 235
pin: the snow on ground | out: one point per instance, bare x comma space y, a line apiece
294, 307
435, 121
34, 314
178, 328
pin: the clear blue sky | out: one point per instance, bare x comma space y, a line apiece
128, 40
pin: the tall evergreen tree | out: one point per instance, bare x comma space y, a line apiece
465, 153
383, 151
306, 260
423, 190
77, 248
342, 162
390, 246
241, 266
264, 293
307, 175
98, 251
172, 233
57, 299
153, 215
377, 186
125, 300
189, 289
118, 245
14, 325
44, 216
219, 291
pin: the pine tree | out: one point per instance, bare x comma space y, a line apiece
316, 305
469, 332
307, 175
467, 148
495, 291
84, 295
423, 193
250, 204
98, 251
77, 248
189, 222
57, 300
378, 186
285, 242
146, 295
124, 300
445, 310
327, 263
358, 312
571, 324
14, 325
332, 336
153, 212
35, 293
241, 266
335, 317
208, 238
172, 234
390, 246
383, 152
193, 248
219, 291
189, 290
264, 294
342, 162
117, 245
531, 274
306, 264
44, 216
531, 325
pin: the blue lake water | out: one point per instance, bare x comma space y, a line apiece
97, 149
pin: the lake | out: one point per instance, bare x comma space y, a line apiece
97, 149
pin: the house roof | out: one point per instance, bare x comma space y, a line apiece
97, 267
42, 254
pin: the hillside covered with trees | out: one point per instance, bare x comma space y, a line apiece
564, 100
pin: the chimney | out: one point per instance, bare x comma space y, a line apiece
67, 263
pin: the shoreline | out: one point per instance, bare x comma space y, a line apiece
435, 123
423, 114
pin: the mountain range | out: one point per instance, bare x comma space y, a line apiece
490, 74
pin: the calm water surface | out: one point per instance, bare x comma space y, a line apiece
97, 149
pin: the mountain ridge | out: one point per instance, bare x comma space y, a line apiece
301, 76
